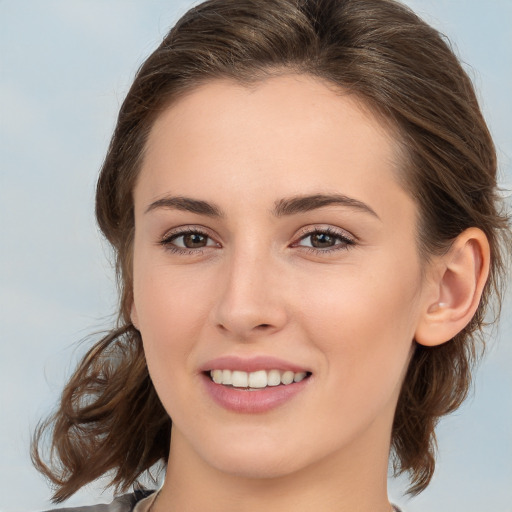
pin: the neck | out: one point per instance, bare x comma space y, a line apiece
355, 480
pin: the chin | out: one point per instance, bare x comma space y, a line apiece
257, 467
254, 456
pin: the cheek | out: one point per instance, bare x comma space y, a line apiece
172, 308
363, 323
168, 302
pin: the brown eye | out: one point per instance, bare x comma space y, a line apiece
194, 240
188, 240
325, 240
322, 240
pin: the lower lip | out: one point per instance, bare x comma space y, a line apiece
252, 401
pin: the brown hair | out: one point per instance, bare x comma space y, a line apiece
110, 419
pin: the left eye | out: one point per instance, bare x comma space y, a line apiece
191, 240
324, 240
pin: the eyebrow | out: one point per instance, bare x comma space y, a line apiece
300, 204
282, 207
186, 204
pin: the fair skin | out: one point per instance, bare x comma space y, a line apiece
332, 288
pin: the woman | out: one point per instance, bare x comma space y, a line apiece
276, 342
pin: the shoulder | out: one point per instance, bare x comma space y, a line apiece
124, 503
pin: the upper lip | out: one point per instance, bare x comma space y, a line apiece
251, 364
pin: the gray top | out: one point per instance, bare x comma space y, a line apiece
125, 503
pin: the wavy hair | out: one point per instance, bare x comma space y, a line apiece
109, 419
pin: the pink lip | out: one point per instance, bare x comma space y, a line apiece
241, 400
252, 364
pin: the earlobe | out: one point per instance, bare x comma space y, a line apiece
455, 289
134, 317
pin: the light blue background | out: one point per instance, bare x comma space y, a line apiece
65, 68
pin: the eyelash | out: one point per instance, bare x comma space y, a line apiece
166, 242
344, 241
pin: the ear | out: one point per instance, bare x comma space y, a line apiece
454, 288
133, 316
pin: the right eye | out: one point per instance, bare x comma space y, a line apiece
190, 240
187, 241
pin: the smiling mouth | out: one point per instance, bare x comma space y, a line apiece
256, 380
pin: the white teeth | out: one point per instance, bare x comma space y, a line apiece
256, 380
239, 379
273, 378
299, 376
287, 377
226, 377
217, 376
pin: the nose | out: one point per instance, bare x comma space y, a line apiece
250, 302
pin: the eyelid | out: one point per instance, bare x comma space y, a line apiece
323, 228
166, 239
345, 241
188, 228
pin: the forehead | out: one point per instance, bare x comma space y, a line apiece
268, 106
292, 131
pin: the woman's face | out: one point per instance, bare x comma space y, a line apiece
274, 242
